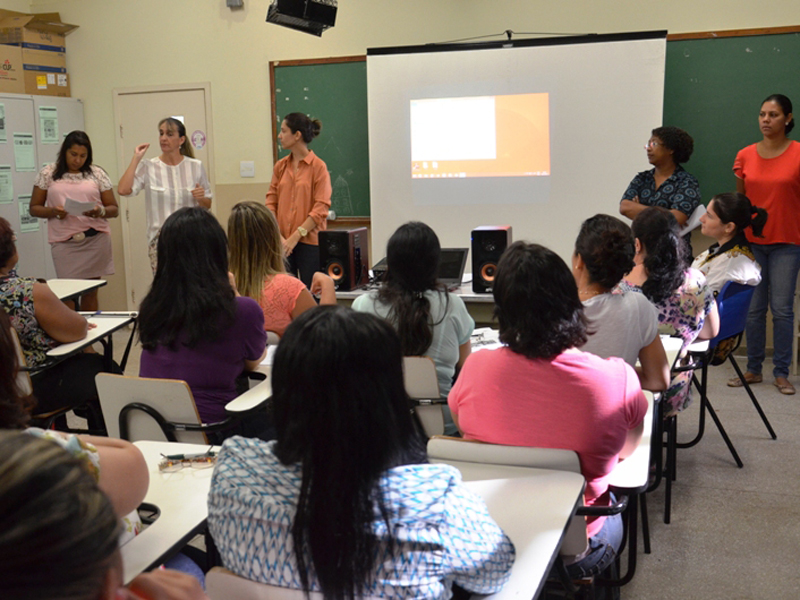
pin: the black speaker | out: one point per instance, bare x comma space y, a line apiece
308, 16
343, 255
488, 243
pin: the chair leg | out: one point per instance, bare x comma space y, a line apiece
724, 434
752, 397
645, 522
671, 427
701, 426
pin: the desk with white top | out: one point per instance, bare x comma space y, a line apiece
73, 289
104, 325
182, 498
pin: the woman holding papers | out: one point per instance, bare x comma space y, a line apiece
170, 181
768, 172
76, 198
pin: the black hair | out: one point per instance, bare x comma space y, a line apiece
677, 140
58, 531
74, 138
342, 412
13, 404
733, 207
308, 128
786, 107
605, 244
412, 263
666, 253
536, 302
191, 299
7, 245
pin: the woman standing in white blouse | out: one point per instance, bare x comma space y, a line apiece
171, 181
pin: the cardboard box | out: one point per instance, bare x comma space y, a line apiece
43, 83
12, 79
44, 60
43, 31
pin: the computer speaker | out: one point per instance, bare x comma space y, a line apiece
343, 255
488, 244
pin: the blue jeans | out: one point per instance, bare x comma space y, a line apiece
779, 266
603, 549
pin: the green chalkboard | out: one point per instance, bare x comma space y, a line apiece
335, 92
713, 89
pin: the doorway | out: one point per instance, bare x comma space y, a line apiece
137, 112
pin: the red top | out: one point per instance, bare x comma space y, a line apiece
296, 194
773, 184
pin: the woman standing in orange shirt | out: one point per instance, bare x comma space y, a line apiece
768, 172
300, 195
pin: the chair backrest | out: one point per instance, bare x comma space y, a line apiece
733, 303
171, 398
422, 383
222, 584
24, 383
273, 338
447, 450
694, 219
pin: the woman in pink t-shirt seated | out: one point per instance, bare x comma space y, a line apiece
540, 391
257, 262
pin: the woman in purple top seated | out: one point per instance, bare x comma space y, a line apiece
193, 324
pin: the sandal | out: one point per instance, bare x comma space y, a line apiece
784, 388
749, 378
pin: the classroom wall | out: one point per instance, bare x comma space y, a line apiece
155, 42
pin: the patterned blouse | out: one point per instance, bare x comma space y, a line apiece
680, 191
443, 531
16, 298
682, 315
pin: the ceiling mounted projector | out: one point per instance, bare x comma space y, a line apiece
309, 16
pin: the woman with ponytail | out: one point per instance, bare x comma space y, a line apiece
621, 323
730, 258
300, 195
430, 320
685, 302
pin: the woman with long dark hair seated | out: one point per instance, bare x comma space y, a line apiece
622, 324
193, 325
540, 391
344, 501
730, 258
685, 302
430, 320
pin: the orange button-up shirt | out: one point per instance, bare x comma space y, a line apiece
296, 194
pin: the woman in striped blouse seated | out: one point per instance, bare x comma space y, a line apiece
344, 501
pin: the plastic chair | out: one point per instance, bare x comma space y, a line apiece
733, 303
422, 386
139, 408
452, 451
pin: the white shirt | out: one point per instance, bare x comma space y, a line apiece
167, 188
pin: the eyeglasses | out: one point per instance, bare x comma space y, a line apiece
653, 144
176, 462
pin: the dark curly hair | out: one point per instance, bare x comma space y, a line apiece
677, 140
308, 128
666, 253
536, 302
605, 244
733, 207
786, 107
14, 406
7, 245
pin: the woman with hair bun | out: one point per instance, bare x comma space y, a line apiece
685, 303
730, 258
622, 324
300, 195
769, 173
667, 184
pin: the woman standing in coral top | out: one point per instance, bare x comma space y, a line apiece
768, 172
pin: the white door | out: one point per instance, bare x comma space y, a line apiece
137, 113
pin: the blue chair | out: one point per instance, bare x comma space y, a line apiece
733, 303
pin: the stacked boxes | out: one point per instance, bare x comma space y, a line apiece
33, 57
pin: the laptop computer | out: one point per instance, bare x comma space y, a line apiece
451, 267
